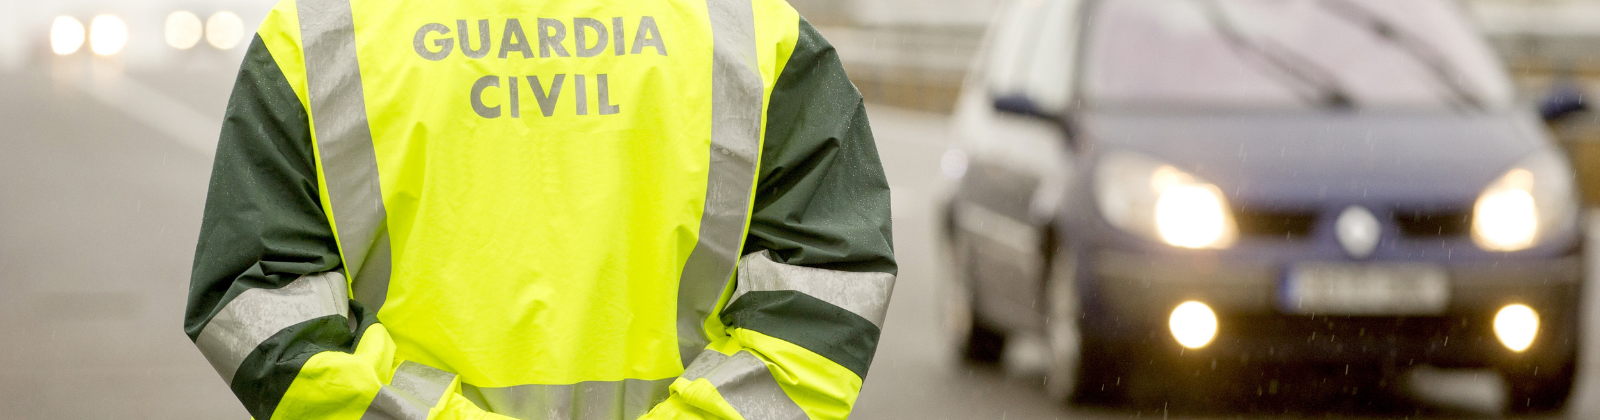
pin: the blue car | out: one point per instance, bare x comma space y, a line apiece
1176, 188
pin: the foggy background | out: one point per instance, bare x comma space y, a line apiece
104, 163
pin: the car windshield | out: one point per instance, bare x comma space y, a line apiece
1289, 53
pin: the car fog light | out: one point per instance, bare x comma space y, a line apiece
1516, 325
1193, 324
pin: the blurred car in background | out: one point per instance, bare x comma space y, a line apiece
1167, 189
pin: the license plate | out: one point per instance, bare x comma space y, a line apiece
1366, 289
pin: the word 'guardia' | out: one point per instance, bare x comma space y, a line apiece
590, 37
546, 98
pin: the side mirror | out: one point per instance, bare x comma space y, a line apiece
1565, 99
1022, 105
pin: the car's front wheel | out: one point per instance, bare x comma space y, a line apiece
1083, 366
1061, 326
974, 340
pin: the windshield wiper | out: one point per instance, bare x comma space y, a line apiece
1418, 49
1328, 92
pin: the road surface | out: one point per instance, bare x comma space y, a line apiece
102, 178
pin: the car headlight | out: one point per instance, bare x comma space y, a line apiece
1528, 203
1140, 194
107, 35
66, 35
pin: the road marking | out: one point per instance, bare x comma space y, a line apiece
155, 109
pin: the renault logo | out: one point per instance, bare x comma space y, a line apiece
1358, 231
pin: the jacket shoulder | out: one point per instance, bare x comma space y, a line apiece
280, 34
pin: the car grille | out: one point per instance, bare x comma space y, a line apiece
1351, 326
1298, 224
1281, 224
1432, 224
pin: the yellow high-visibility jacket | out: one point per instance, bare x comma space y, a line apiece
542, 209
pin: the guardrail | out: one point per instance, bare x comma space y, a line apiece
915, 67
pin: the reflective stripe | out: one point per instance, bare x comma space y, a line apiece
625, 399
344, 143
864, 293
371, 287
415, 389
736, 107
746, 384
255, 315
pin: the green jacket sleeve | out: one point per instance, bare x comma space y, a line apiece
268, 304
813, 287
263, 228
822, 200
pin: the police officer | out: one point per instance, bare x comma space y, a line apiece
542, 210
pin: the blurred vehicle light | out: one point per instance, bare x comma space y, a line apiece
953, 164
1532, 199
183, 29
1506, 216
1191, 216
1142, 195
1193, 324
107, 35
224, 30
66, 35
1516, 325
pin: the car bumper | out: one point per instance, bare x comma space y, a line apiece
1132, 294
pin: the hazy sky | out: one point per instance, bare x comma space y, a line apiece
25, 24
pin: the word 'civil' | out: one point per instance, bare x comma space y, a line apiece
545, 97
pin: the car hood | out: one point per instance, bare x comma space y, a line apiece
1292, 158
